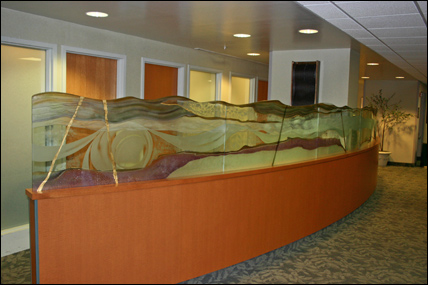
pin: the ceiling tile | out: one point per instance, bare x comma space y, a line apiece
327, 11
371, 42
345, 24
414, 54
405, 41
304, 3
400, 32
409, 47
423, 6
273, 24
359, 34
379, 48
377, 8
395, 21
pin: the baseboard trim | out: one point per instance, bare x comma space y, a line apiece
15, 239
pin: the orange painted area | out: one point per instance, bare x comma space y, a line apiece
168, 231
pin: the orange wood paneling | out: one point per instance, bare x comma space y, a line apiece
159, 81
92, 77
168, 231
262, 93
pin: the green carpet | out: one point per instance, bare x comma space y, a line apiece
384, 241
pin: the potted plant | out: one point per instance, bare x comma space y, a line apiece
389, 115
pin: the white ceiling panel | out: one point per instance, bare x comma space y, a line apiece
372, 42
378, 29
400, 32
377, 8
360, 34
345, 24
398, 29
392, 21
404, 41
327, 11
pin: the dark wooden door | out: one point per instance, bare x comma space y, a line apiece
159, 81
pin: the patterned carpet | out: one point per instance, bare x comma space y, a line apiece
382, 242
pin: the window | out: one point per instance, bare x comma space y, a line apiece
204, 86
242, 90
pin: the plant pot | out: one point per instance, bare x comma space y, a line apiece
384, 158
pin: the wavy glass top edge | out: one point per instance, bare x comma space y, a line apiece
83, 142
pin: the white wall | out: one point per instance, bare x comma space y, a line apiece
402, 142
30, 27
338, 81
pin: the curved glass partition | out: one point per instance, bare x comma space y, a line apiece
83, 142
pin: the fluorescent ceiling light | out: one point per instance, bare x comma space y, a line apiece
372, 63
242, 35
365, 77
97, 14
253, 54
308, 31
399, 77
31, 58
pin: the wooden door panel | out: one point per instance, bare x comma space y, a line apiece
159, 81
92, 77
262, 93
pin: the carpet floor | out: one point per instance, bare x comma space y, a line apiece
382, 242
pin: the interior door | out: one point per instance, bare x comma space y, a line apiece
262, 92
91, 77
159, 81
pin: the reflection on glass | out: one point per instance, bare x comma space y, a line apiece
176, 137
202, 86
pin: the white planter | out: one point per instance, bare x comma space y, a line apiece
383, 158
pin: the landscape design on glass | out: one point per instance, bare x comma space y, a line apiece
84, 142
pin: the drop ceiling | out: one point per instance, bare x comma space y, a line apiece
393, 33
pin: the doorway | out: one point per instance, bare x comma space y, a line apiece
242, 90
23, 74
159, 81
91, 76
262, 90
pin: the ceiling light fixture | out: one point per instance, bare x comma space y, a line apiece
365, 77
253, 54
399, 77
30, 58
372, 63
308, 31
97, 14
242, 35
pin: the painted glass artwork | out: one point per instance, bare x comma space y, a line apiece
83, 142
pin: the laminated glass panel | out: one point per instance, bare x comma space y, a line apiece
82, 142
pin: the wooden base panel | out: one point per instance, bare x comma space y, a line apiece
169, 231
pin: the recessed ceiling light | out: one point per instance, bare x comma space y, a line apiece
372, 63
365, 77
308, 31
242, 35
97, 14
399, 77
253, 54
